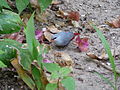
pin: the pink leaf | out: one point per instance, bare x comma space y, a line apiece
39, 35
82, 43
47, 61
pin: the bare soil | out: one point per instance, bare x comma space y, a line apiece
97, 11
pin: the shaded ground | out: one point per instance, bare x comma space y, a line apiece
98, 11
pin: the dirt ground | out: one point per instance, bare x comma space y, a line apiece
97, 11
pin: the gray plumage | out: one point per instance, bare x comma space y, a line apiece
62, 38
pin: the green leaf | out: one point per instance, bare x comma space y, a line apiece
2, 65
9, 22
51, 67
44, 4
107, 48
1, 52
37, 77
25, 59
3, 3
69, 83
51, 86
30, 38
8, 47
21, 5
55, 75
64, 71
11, 48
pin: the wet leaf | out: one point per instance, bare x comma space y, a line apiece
82, 43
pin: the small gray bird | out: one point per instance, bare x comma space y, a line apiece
62, 39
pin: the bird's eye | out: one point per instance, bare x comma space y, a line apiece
54, 38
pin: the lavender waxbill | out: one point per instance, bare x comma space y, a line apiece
62, 39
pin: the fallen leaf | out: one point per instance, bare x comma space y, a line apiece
48, 36
53, 29
39, 35
93, 56
22, 73
115, 23
61, 14
47, 61
15, 36
63, 59
73, 15
82, 43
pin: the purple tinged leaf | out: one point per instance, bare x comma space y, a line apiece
47, 61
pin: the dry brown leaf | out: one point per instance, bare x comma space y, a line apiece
25, 17
53, 29
93, 56
74, 15
62, 14
48, 36
15, 36
63, 59
115, 23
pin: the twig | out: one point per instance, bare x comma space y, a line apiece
104, 65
